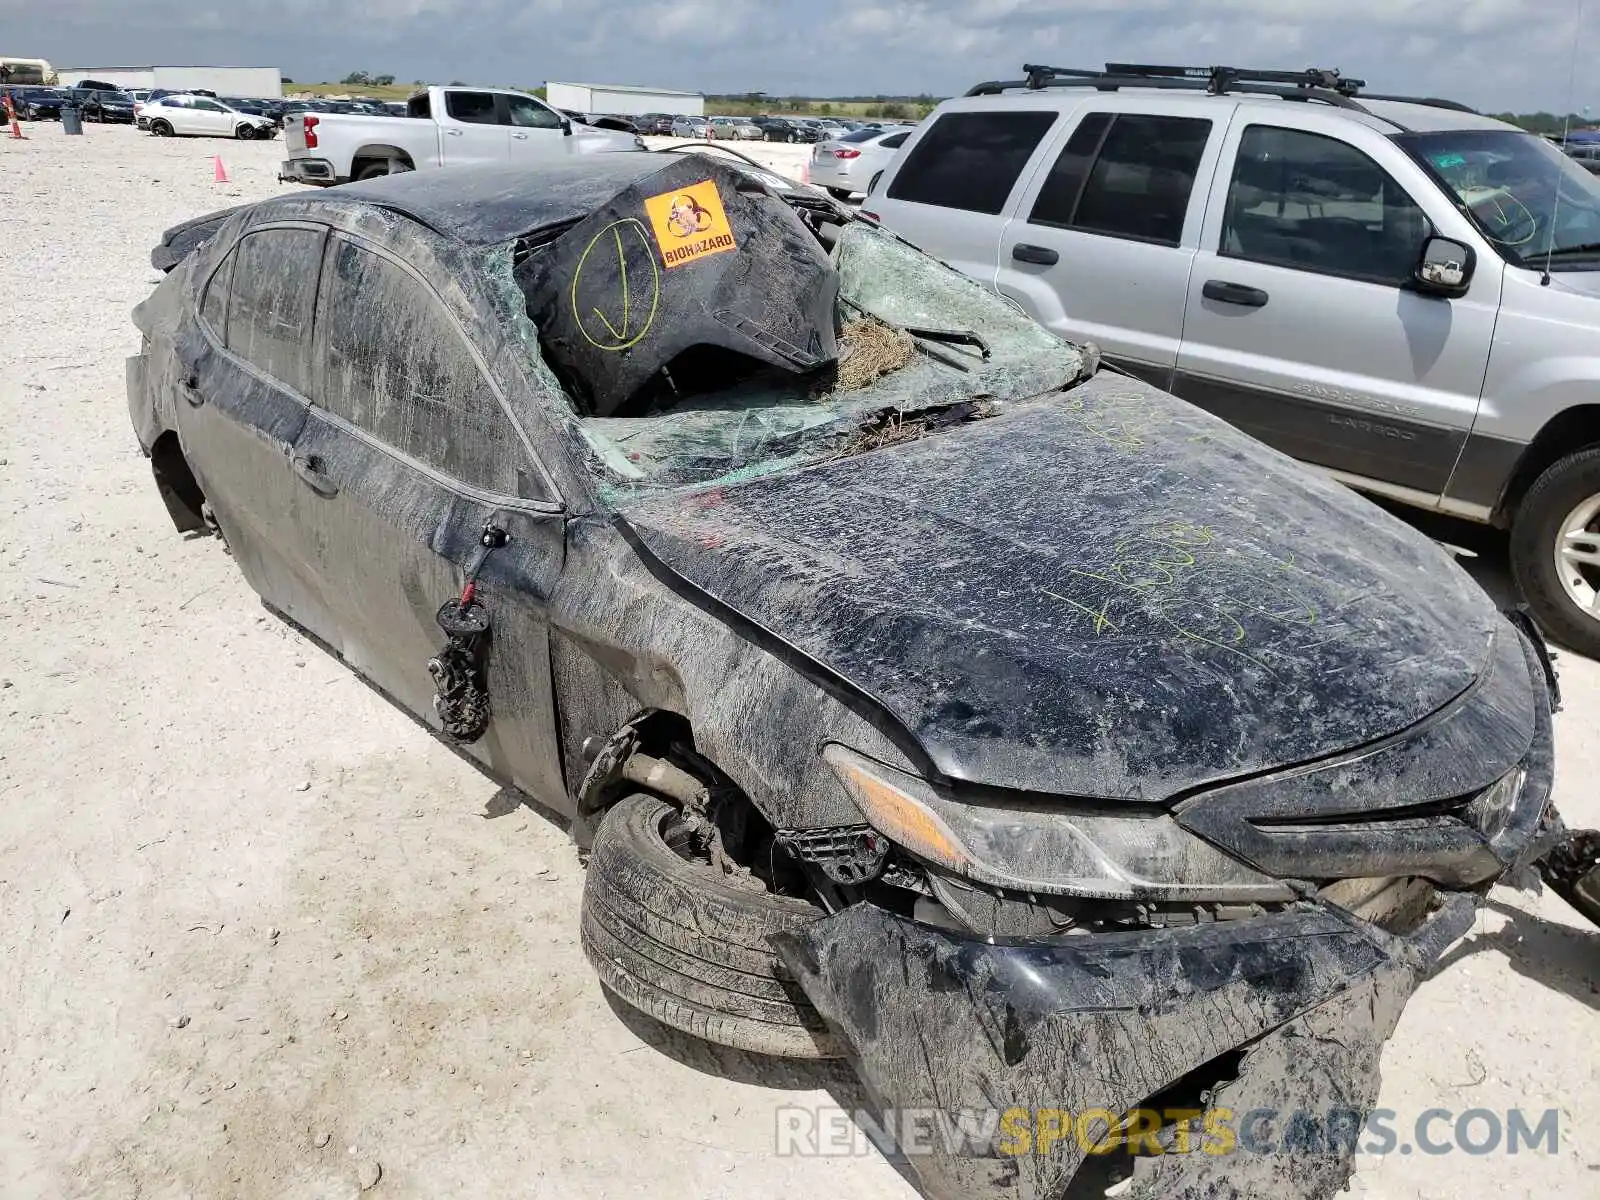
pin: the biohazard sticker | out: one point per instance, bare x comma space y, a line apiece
690, 223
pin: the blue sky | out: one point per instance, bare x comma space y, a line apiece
1494, 54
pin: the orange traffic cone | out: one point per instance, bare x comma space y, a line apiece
221, 172
11, 112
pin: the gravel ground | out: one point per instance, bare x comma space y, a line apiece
263, 937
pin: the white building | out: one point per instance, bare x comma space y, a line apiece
254, 83
623, 100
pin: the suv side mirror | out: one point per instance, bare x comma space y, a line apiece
1446, 268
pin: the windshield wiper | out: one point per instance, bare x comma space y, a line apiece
1568, 251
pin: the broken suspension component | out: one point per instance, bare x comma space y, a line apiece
460, 670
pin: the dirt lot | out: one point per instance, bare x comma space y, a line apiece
262, 935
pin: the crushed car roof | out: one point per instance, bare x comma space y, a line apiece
485, 205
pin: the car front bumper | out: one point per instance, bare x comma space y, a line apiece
316, 171
1280, 1014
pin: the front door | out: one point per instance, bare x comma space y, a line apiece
243, 361
414, 455
537, 132
1301, 328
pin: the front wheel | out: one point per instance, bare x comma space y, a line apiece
1555, 551
671, 936
245, 133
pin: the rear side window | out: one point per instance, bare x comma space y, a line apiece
1127, 175
269, 308
399, 368
971, 161
214, 308
476, 108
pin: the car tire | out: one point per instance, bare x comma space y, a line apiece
382, 167
840, 193
1555, 592
161, 128
671, 937
245, 133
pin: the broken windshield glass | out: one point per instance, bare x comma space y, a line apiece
770, 423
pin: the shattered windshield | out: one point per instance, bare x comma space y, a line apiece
922, 346
1531, 200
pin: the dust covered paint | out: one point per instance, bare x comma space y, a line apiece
1147, 672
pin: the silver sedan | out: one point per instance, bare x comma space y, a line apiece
852, 163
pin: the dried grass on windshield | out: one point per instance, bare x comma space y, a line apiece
870, 350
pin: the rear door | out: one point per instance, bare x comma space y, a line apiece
1102, 243
951, 190
413, 454
537, 131
1301, 326
245, 367
470, 130
210, 117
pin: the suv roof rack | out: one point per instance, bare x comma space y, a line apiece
1323, 84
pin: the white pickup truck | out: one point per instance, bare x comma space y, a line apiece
443, 127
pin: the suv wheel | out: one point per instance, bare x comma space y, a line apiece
1555, 551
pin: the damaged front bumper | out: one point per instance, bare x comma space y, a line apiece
1283, 1014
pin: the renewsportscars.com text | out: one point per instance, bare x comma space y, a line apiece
837, 1132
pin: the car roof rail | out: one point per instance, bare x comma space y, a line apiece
1324, 84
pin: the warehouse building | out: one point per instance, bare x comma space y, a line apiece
623, 99
260, 83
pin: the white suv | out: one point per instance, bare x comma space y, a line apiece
1386, 288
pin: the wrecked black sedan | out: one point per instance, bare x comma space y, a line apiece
922, 693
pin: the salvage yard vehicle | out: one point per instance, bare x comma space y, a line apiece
922, 692
443, 127
1399, 291
185, 115
855, 162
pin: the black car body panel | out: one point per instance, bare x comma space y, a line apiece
991, 1039
1218, 621
1095, 600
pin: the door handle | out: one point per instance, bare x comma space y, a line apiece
1234, 293
453, 132
191, 391
313, 473
521, 137
1042, 255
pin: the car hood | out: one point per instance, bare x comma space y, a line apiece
1100, 593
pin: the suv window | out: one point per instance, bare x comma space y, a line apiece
474, 107
1127, 175
530, 114
402, 371
269, 306
1315, 203
971, 160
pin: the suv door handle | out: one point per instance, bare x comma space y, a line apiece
1042, 255
1234, 293
313, 473
453, 132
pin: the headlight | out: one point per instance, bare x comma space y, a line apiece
1491, 809
1061, 848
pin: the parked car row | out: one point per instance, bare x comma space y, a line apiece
39, 103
